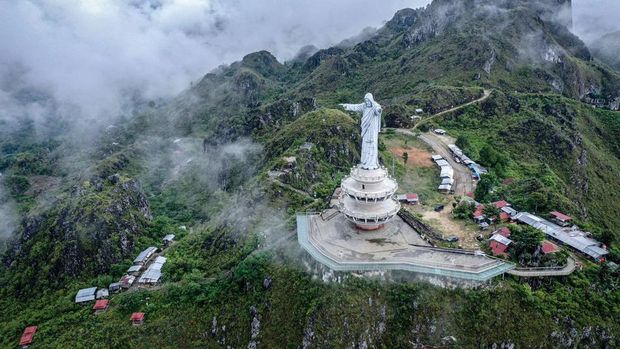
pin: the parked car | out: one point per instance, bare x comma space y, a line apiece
452, 238
439, 208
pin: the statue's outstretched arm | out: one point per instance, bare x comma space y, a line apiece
353, 107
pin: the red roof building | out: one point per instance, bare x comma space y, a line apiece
470, 194
479, 213
503, 231
27, 336
101, 305
498, 248
560, 218
501, 204
548, 247
503, 216
137, 318
499, 244
413, 197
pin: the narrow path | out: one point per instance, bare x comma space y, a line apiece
485, 95
290, 187
538, 272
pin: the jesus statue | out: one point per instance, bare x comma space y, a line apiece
371, 125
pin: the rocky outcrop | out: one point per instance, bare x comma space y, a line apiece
95, 226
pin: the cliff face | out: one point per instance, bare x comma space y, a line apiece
83, 234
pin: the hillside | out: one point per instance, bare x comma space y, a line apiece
607, 49
226, 164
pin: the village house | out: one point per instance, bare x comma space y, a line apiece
127, 280
560, 218
137, 319
479, 216
499, 244
503, 231
547, 247
115, 287
573, 237
134, 269
101, 306
153, 274
27, 337
145, 256
85, 295
411, 199
167, 240
102, 293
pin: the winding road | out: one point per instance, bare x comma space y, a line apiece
485, 95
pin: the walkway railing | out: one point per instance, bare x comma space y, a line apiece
303, 231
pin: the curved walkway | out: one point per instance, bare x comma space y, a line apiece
538, 272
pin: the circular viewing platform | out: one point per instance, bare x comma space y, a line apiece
369, 176
367, 198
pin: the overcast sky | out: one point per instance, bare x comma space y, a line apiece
92, 56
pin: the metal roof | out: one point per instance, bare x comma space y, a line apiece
442, 162
511, 211
446, 171
169, 237
153, 272
448, 180
573, 237
102, 293
436, 157
501, 239
85, 295
144, 255
134, 268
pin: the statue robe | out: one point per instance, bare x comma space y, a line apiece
371, 125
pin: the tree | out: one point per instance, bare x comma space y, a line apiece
525, 242
491, 157
485, 187
405, 157
492, 212
463, 143
464, 210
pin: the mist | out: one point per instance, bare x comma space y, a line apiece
86, 62
595, 18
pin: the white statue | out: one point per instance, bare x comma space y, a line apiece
371, 125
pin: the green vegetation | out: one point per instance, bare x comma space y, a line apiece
557, 153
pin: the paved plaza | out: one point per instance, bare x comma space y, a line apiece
337, 243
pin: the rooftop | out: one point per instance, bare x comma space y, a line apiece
501, 204
85, 295
501, 239
560, 216
169, 237
101, 304
549, 247
137, 317
573, 237
28, 335
503, 231
144, 255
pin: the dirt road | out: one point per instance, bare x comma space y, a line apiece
485, 95
463, 182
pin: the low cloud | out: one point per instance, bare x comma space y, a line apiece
86, 62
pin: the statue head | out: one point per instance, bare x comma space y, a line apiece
368, 99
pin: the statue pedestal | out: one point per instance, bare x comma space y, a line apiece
367, 198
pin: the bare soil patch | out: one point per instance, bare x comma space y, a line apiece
444, 222
417, 157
